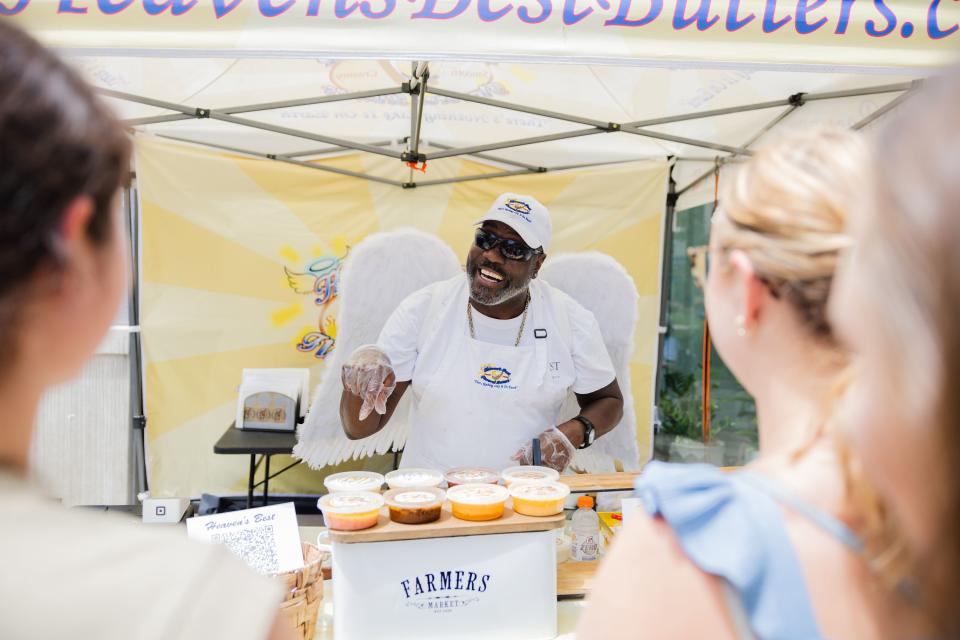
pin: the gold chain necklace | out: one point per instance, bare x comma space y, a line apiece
523, 320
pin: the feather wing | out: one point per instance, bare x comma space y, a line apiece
614, 304
380, 272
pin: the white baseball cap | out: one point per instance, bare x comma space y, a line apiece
525, 215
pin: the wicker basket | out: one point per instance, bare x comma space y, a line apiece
305, 592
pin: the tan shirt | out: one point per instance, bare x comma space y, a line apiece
71, 574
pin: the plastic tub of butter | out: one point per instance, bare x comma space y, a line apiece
418, 505
477, 502
471, 475
539, 499
350, 510
414, 478
354, 481
529, 473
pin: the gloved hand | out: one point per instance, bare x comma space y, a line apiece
556, 451
369, 374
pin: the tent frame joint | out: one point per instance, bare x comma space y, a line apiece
408, 87
201, 113
418, 158
797, 100
409, 185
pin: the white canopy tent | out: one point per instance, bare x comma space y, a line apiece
423, 84
518, 118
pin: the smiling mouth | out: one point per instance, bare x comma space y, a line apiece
489, 276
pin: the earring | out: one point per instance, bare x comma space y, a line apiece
741, 326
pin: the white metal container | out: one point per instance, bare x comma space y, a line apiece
499, 585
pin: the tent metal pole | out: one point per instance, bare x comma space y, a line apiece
646, 133
666, 273
150, 102
287, 159
607, 163
879, 113
172, 117
330, 150
853, 93
759, 134
484, 156
418, 93
484, 176
805, 97
295, 133
326, 151
770, 125
696, 115
344, 172
265, 106
556, 115
304, 102
469, 151
138, 421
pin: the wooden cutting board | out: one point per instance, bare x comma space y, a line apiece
600, 481
447, 527
575, 578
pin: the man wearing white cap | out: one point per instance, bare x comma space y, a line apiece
489, 358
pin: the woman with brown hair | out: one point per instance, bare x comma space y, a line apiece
71, 573
781, 549
896, 308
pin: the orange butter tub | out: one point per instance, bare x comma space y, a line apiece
477, 502
539, 499
350, 510
529, 473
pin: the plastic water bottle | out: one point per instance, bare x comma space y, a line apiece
585, 531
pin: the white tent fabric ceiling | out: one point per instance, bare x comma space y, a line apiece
605, 94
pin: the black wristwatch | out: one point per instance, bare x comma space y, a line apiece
589, 433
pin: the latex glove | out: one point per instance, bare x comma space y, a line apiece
369, 374
556, 450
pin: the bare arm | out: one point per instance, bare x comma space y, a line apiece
603, 407
350, 404
647, 587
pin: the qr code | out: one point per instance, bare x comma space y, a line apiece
255, 545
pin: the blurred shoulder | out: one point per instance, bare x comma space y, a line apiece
647, 576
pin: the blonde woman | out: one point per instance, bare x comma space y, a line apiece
71, 573
772, 551
895, 307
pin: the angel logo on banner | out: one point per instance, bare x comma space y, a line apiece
320, 278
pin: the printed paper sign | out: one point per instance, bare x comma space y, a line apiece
267, 538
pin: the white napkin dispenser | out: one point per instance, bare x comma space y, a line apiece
272, 399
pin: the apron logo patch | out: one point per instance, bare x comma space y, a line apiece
494, 376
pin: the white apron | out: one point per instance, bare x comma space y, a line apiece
484, 401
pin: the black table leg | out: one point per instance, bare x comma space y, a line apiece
253, 472
266, 482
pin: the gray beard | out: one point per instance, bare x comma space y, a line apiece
491, 299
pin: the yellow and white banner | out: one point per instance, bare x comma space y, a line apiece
239, 265
835, 33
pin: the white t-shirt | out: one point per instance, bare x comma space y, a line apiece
593, 368
72, 573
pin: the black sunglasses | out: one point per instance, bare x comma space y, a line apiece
509, 249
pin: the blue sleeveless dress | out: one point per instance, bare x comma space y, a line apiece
731, 526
